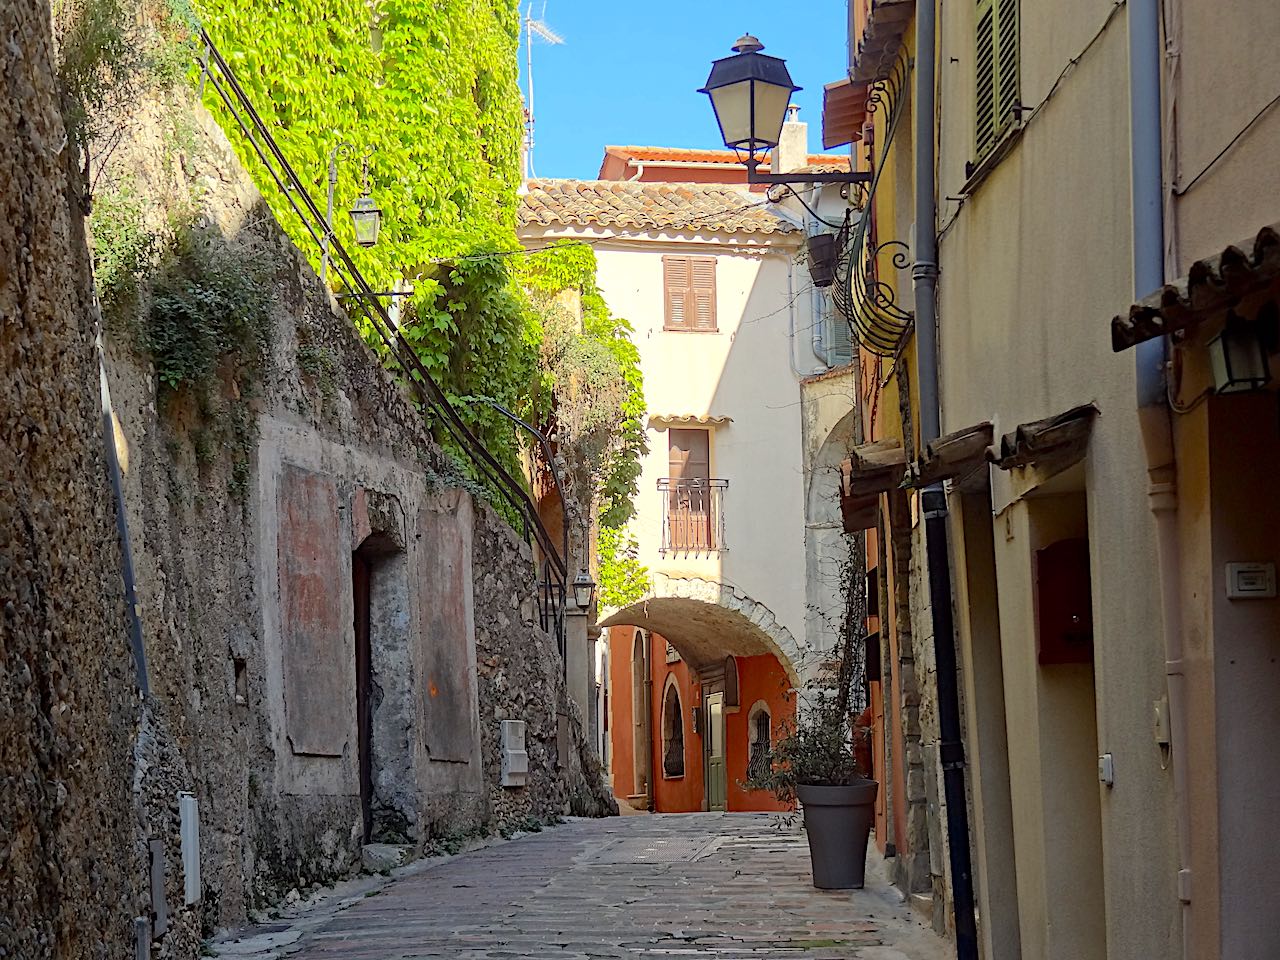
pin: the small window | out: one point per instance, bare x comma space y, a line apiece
760, 731
690, 285
997, 68
672, 734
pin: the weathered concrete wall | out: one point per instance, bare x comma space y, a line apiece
245, 502
67, 703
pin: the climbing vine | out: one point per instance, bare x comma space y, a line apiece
427, 90
592, 384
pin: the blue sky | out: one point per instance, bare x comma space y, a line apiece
625, 75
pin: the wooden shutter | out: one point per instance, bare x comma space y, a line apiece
690, 457
703, 293
1006, 61
690, 293
985, 79
677, 278
996, 71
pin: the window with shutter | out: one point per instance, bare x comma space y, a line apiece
996, 72
690, 293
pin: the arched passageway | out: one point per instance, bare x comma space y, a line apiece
703, 679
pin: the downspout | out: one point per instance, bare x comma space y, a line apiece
639, 165
791, 319
816, 306
924, 276
1154, 416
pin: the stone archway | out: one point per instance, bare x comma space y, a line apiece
706, 621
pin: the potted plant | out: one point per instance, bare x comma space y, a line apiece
816, 760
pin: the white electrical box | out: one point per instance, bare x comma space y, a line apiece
1248, 581
1106, 770
189, 830
515, 760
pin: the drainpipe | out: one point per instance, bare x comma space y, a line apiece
791, 319
1154, 416
816, 305
924, 276
639, 165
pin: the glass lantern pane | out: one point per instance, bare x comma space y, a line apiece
771, 110
366, 218
732, 104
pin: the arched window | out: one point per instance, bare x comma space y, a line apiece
760, 733
672, 733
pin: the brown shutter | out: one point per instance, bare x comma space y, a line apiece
690, 454
677, 279
704, 293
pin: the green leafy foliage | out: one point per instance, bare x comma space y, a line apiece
124, 249
623, 580
428, 91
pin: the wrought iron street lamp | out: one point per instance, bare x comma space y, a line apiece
584, 590
366, 216
1239, 358
749, 93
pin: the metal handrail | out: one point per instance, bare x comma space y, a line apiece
216, 71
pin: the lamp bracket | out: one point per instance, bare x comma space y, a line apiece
857, 176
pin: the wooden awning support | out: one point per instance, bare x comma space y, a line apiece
1056, 442
873, 468
955, 455
859, 513
1211, 287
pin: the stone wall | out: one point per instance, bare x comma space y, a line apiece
67, 704
253, 502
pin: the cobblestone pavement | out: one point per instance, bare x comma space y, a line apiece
676, 887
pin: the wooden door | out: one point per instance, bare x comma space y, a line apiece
689, 507
717, 784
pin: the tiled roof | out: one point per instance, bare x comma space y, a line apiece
651, 206
686, 155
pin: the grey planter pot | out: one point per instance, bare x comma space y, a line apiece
838, 822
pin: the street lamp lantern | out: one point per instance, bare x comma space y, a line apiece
1239, 358
750, 92
584, 590
367, 218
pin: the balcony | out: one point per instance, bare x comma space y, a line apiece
692, 515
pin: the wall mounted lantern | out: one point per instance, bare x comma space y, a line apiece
1238, 358
749, 93
366, 216
584, 590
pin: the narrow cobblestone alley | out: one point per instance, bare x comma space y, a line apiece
726, 886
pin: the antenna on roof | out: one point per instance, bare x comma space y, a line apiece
533, 28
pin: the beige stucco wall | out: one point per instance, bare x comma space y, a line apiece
1034, 262
1224, 76
740, 372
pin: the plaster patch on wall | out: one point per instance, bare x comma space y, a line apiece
316, 687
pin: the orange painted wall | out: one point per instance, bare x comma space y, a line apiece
676, 794
759, 678
621, 737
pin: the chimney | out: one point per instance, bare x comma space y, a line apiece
792, 151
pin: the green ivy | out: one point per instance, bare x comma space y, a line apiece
572, 266
429, 90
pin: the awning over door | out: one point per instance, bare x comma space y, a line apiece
844, 111
1057, 442
1211, 287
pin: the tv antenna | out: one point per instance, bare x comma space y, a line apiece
533, 27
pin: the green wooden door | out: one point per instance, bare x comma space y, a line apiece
714, 740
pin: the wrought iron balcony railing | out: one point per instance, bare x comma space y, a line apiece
692, 515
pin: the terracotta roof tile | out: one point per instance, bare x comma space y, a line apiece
652, 206
691, 155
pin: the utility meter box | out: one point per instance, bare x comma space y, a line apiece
515, 759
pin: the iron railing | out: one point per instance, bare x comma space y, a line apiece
863, 291
692, 515
553, 587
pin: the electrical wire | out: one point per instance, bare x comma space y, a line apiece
814, 213
1179, 191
